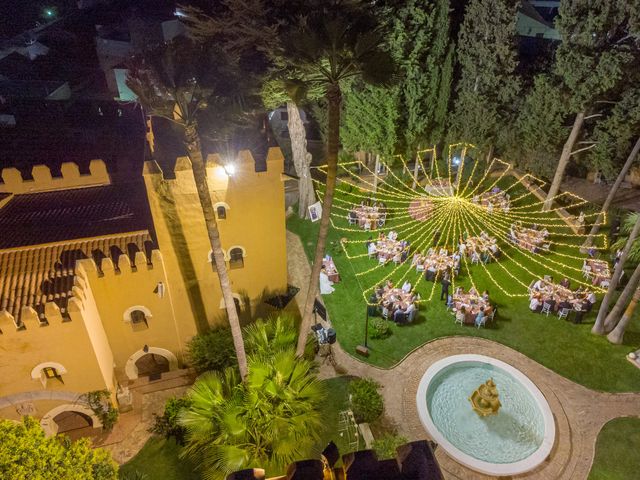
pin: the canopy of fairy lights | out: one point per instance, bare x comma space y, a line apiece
440, 203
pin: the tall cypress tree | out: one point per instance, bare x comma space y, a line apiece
420, 43
488, 87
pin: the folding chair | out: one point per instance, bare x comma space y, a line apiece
564, 312
546, 308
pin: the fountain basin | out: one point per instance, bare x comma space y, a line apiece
514, 441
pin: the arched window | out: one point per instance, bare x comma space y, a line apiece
138, 316
236, 258
48, 371
221, 211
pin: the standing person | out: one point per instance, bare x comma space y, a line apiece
436, 237
446, 281
614, 231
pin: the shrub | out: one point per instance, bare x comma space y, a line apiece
366, 402
212, 350
167, 423
380, 328
99, 402
385, 447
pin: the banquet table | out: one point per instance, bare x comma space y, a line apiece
600, 271
529, 238
395, 298
332, 271
480, 244
438, 262
387, 249
552, 291
365, 213
472, 304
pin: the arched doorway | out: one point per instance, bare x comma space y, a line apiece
152, 364
150, 360
74, 420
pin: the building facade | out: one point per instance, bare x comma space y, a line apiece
104, 282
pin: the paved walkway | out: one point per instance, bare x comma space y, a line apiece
579, 413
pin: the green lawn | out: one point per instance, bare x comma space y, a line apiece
617, 456
159, 459
569, 349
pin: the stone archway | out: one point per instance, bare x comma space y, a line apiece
131, 369
49, 425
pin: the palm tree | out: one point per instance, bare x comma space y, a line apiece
168, 85
617, 334
252, 29
331, 46
611, 195
269, 421
623, 300
598, 326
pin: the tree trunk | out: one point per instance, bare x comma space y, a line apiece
617, 334
334, 98
376, 167
612, 193
415, 172
598, 327
623, 300
301, 159
489, 156
564, 161
431, 163
192, 143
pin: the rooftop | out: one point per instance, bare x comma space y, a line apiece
58, 216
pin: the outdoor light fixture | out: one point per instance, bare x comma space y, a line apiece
456, 160
230, 168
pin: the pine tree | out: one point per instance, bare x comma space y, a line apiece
488, 87
598, 47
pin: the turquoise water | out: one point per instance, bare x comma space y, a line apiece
510, 436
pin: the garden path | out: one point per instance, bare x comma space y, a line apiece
579, 412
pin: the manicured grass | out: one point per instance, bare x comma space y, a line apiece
337, 401
617, 450
568, 349
159, 459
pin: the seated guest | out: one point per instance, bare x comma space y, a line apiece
485, 295
406, 286
565, 304
388, 285
475, 258
484, 258
480, 317
538, 284
399, 315
379, 291
431, 251
392, 235
443, 251
430, 273
565, 282
591, 298
449, 301
535, 305
462, 248
403, 255
372, 249
381, 236
473, 291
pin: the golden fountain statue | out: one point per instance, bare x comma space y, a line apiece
485, 399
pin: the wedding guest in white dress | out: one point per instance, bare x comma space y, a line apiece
325, 284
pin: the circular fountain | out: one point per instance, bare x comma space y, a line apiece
486, 414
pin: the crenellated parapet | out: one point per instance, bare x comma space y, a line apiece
43, 181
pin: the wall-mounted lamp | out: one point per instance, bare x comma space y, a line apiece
230, 168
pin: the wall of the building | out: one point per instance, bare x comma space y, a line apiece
76, 344
255, 221
117, 291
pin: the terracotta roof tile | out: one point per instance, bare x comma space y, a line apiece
33, 276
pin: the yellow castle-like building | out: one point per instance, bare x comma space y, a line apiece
103, 281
